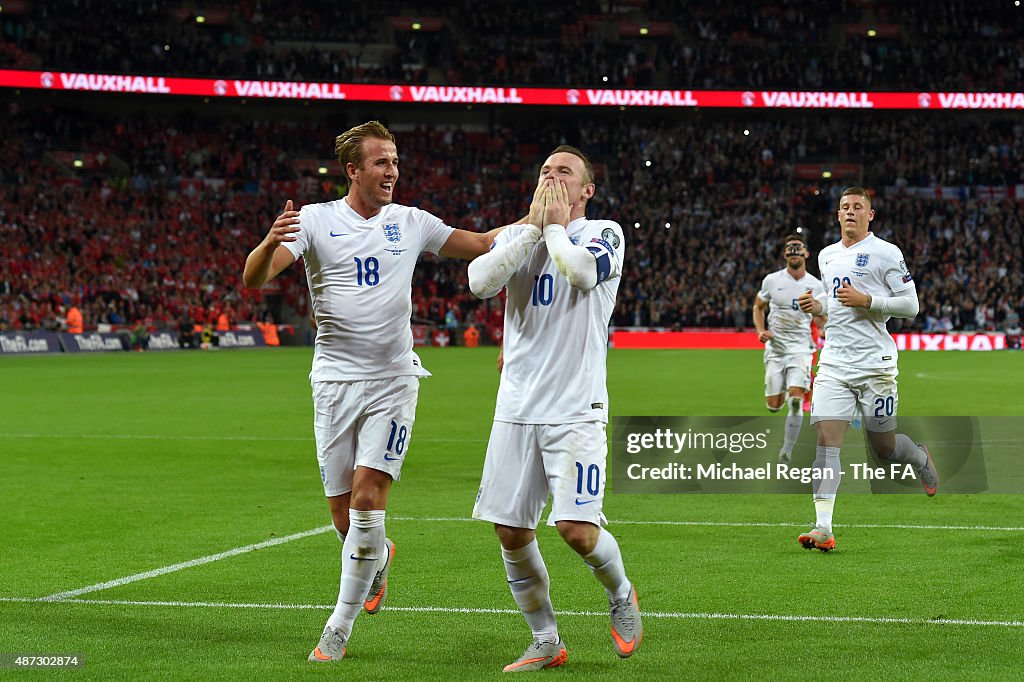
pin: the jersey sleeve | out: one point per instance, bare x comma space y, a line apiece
897, 274
307, 227
765, 293
506, 235
434, 231
605, 240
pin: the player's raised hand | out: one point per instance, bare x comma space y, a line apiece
808, 303
536, 217
285, 227
557, 210
852, 298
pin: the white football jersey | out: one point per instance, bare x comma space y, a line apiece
790, 326
556, 336
360, 280
857, 337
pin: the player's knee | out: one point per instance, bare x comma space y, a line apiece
882, 451
773, 402
514, 538
579, 535
369, 498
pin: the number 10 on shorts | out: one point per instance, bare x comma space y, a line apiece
588, 480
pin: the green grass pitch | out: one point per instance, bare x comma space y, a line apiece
114, 465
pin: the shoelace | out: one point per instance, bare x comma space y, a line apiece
623, 612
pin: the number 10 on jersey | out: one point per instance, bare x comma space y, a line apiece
543, 290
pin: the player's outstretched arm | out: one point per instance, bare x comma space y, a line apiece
469, 245
267, 260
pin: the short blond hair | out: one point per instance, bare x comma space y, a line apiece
349, 145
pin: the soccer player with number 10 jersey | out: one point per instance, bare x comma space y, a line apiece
561, 275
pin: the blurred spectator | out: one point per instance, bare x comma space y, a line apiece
777, 44
155, 234
73, 321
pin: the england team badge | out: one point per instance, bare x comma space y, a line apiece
392, 232
862, 260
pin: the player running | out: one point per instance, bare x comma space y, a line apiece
788, 346
866, 282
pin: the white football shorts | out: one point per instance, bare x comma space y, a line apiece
781, 372
362, 423
527, 462
842, 394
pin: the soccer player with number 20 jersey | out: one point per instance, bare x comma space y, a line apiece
866, 282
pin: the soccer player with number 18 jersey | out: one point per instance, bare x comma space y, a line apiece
360, 252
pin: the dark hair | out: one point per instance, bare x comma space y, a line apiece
587, 166
795, 237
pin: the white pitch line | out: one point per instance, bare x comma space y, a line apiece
185, 564
150, 436
795, 618
748, 524
998, 443
156, 572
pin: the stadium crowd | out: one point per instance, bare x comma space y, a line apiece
153, 230
810, 44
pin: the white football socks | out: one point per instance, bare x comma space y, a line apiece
360, 555
907, 451
529, 582
794, 421
823, 507
605, 562
825, 459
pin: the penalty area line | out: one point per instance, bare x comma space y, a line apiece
772, 617
157, 572
184, 564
